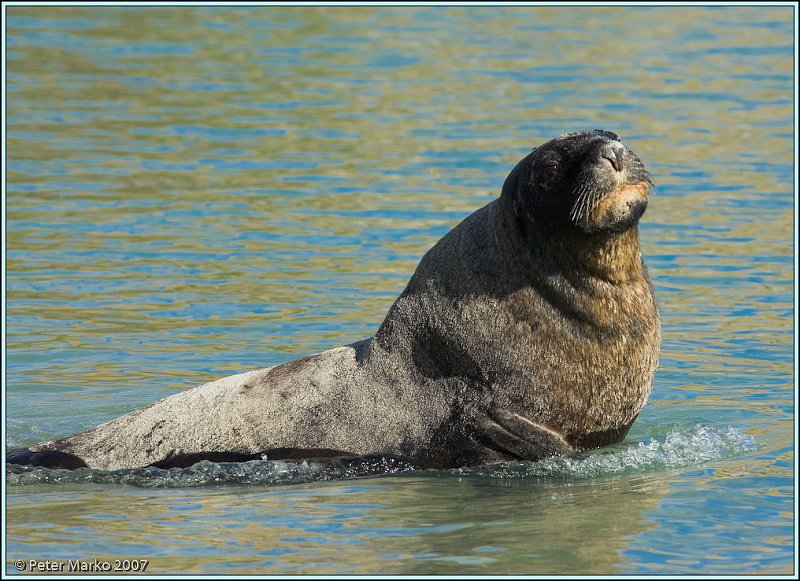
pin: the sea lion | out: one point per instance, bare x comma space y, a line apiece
529, 330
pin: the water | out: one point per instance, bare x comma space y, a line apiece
196, 192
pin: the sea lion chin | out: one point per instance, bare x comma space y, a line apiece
529, 330
618, 210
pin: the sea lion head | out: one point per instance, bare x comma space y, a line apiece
586, 181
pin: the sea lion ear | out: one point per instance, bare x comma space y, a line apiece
515, 179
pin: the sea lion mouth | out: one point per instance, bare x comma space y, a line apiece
617, 210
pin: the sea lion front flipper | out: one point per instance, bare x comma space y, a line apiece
513, 434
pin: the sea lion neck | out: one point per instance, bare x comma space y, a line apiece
612, 257
608, 257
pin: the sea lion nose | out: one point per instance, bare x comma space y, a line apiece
614, 153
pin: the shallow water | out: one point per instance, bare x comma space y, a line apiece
196, 192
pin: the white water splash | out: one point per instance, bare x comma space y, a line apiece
681, 448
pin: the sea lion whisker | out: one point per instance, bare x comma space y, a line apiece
645, 174
579, 194
591, 197
588, 205
582, 203
577, 213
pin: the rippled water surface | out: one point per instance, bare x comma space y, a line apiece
196, 192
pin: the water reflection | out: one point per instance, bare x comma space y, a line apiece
408, 526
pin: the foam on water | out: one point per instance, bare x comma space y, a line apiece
682, 447
205, 473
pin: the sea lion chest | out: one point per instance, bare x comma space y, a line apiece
576, 354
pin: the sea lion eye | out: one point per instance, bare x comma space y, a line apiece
547, 171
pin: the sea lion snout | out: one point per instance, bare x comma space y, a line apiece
613, 163
614, 152
612, 193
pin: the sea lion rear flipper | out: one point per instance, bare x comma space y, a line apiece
45, 458
513, 434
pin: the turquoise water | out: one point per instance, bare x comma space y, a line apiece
196, 192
